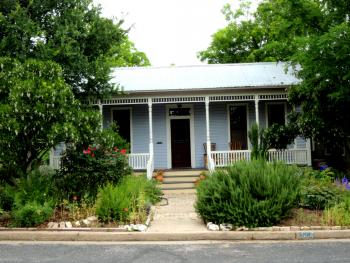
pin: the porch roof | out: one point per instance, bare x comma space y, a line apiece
217, 76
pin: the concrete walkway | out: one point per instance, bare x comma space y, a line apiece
178, 216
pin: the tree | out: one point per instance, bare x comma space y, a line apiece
126, 55
324, 92
271, 33
37, 111
71, 33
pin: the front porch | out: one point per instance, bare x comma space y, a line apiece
212, 119
220, 120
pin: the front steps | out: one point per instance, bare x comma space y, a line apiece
177, 182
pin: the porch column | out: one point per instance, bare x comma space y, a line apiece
208, 130
150, 120
257, 109
100, 106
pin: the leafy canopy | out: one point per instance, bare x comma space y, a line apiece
71, 33
37, 111
269, 34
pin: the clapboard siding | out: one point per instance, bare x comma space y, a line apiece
219, 129
160, 136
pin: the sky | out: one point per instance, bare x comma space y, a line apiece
169, 31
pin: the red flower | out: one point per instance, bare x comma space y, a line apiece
123, 151
92, 154
88, 151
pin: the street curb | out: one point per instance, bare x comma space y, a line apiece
184, 236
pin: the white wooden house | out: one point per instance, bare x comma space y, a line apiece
170, 115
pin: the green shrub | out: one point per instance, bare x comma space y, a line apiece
85, 169
127, 201
6, 197
113, 203
37, 186
259, 144
339, 214
318, 190
32, 214
249, 194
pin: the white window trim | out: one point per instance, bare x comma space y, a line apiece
131, 126
168, 132
246, 104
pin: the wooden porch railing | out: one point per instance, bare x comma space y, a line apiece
137, 161
289, 156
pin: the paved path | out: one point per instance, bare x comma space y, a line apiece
178, 216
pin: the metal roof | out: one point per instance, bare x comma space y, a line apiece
240, 75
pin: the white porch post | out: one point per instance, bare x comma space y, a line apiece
257, 109
101, 112
308, 147
150, 120
208, 132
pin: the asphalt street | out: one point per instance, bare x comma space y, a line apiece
243, 252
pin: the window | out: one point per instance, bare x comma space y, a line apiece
122, 118
238, 127
276, 114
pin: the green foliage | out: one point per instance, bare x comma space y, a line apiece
315, 36
324, 93
127, 201
82, 174
70, 33
32, 214
86, 168
37, 111
270, 33
280, 136
126, 55
339, 214
7, 193
249, 194
259, 143
318, 190
38, 186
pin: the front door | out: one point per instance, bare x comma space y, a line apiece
180, 143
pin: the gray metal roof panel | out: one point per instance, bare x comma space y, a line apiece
240, 75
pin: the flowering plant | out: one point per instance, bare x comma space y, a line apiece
345, 182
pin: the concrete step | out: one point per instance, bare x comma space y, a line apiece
179, 179
184, 173
177, 186
179, 191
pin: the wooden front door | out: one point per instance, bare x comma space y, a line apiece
180, 143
